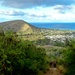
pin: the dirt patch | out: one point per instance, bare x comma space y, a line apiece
53, 71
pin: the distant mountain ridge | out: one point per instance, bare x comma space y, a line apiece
17, 26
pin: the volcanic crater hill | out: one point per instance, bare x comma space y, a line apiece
18, 26
22, 29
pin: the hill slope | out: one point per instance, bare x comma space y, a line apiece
17, 26
22, 28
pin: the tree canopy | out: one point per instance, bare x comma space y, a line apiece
19, 57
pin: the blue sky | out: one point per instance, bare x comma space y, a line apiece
38, 10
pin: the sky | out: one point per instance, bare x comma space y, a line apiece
37, 10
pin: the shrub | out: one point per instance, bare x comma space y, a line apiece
19, 57
70, 58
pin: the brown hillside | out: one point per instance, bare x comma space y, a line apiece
18, 26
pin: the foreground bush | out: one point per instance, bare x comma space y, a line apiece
20, 57
70, 58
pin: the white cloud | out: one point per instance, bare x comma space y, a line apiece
6, 12
58, 13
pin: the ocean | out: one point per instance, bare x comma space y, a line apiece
60, 26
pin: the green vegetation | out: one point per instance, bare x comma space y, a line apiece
28, 50
64, 54
69, 57
19, 57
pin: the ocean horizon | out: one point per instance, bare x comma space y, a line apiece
60, 26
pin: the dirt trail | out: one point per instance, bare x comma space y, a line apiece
53, 71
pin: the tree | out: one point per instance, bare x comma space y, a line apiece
19, 57
70, 57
